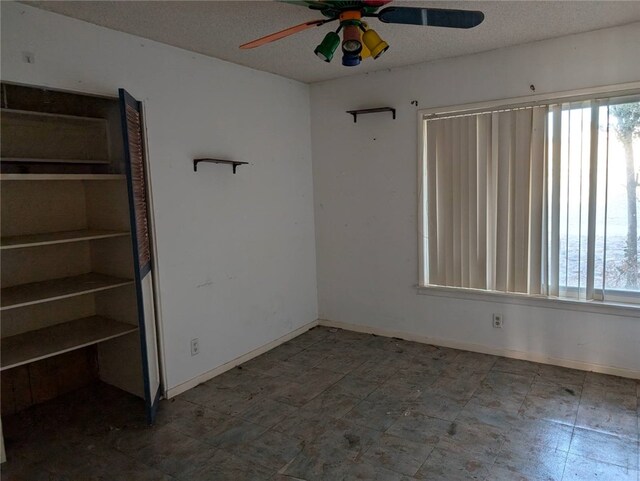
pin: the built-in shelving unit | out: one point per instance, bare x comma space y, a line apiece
60, 338
67, 296
54, 289
35, 240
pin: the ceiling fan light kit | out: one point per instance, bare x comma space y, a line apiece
328, 46
358, 40
374, 43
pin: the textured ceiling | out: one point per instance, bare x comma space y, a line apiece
217, 28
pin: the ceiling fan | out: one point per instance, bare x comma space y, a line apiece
358, 40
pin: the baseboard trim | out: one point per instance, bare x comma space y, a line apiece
522, 355
185, 386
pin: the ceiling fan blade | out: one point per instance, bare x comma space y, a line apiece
433, 17
306, 3
284, 33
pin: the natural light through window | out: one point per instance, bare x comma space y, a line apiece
539, 199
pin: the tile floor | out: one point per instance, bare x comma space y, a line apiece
340, 405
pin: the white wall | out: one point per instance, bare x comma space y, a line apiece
236, 252
365, 181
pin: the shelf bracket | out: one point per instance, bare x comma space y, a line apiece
355, 113
233, 163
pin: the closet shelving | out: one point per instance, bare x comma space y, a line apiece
51, 238
60, 338
54, 289
65, 242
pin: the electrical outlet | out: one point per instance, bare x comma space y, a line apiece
195, 346
497, 321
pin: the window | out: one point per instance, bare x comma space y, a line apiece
538, 199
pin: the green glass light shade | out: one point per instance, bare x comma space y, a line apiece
328, 46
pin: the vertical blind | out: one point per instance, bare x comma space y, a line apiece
486, 196
536, 199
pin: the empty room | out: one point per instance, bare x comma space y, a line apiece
309, 240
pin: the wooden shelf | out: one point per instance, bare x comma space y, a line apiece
29, 136
55, 161
50, 341
62, 177
35, 240
45, 291
36, 113
233, 163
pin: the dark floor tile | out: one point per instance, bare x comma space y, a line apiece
232, 433
302, 424
396, 390
298, 394
612, 397
172, 452
354, 471
516, 366
354, 385
315, 463
560, 375
446, 465
537, 437
343, 362
329, 403
345, 437
271, 449
236, 378
196, 421
507, 384
460, 387
618, 422
483, 440
376, 371
500, 413
470, 416
612, 383
12, 472
552, 402
420, 376
378, 415
225, 400
115, 466
604, 447
268, 413
224, 466
579, 468
397, 454
419, 428
529, 464
474, 360
437, 405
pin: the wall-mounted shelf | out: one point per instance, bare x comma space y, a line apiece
355, 113
233, 163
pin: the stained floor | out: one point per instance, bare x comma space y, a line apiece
343, 406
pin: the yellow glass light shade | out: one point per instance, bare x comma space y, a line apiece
374, 43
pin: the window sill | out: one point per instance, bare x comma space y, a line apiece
607, 308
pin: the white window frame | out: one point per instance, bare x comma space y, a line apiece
619, 303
